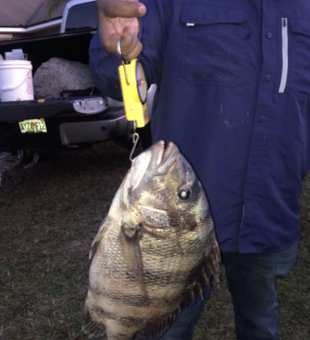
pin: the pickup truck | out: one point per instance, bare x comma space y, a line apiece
75, 119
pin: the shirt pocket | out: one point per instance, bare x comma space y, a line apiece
214, 45
301, 55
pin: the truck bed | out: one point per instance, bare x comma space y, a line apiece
72, 120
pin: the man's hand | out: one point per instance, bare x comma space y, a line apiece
118, 19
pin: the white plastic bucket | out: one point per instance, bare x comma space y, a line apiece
16, 80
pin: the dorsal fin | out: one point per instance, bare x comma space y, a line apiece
91, 328
159, 329
211, 269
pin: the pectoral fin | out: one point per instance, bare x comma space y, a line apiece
131, 243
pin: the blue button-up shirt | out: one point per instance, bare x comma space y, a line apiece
234, 93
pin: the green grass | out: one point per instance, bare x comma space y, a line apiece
46, 229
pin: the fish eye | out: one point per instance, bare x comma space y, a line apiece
184, 194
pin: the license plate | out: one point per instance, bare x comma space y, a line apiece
33, 126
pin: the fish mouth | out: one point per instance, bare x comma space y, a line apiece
170, 154
168, 150
155, 161
163, 156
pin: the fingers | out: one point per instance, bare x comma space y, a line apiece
118, 19
131, 46
121, 8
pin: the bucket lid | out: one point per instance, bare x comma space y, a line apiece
25, 63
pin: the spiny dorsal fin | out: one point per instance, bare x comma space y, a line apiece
215, 260
210, 270
159, 329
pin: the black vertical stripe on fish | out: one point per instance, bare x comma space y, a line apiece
124, 320
161, 328
191, 246
161, 278
201, 273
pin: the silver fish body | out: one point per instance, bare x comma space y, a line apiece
154, 252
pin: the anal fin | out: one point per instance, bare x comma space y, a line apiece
92, 329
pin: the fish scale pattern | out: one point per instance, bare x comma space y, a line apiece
154, 253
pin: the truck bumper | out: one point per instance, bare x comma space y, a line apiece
94, 131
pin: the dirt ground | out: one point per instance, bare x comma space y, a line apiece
46, 228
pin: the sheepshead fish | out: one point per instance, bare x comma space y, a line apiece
154, 252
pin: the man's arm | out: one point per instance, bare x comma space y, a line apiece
119, 20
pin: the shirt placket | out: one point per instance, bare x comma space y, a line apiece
262, 128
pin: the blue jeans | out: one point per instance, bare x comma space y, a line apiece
251, 281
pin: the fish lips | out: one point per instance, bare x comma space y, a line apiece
162, 158
155, 161
169, 158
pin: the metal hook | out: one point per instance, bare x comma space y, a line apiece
123, 61
135, 140
119, 50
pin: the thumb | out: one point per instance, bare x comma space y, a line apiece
121, 8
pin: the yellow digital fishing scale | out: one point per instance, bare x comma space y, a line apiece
134, 91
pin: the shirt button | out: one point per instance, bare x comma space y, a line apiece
248, 198
254, 161
268, 77
269, 35
262, 119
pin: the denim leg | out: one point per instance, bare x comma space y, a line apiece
183, 327
251, 281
